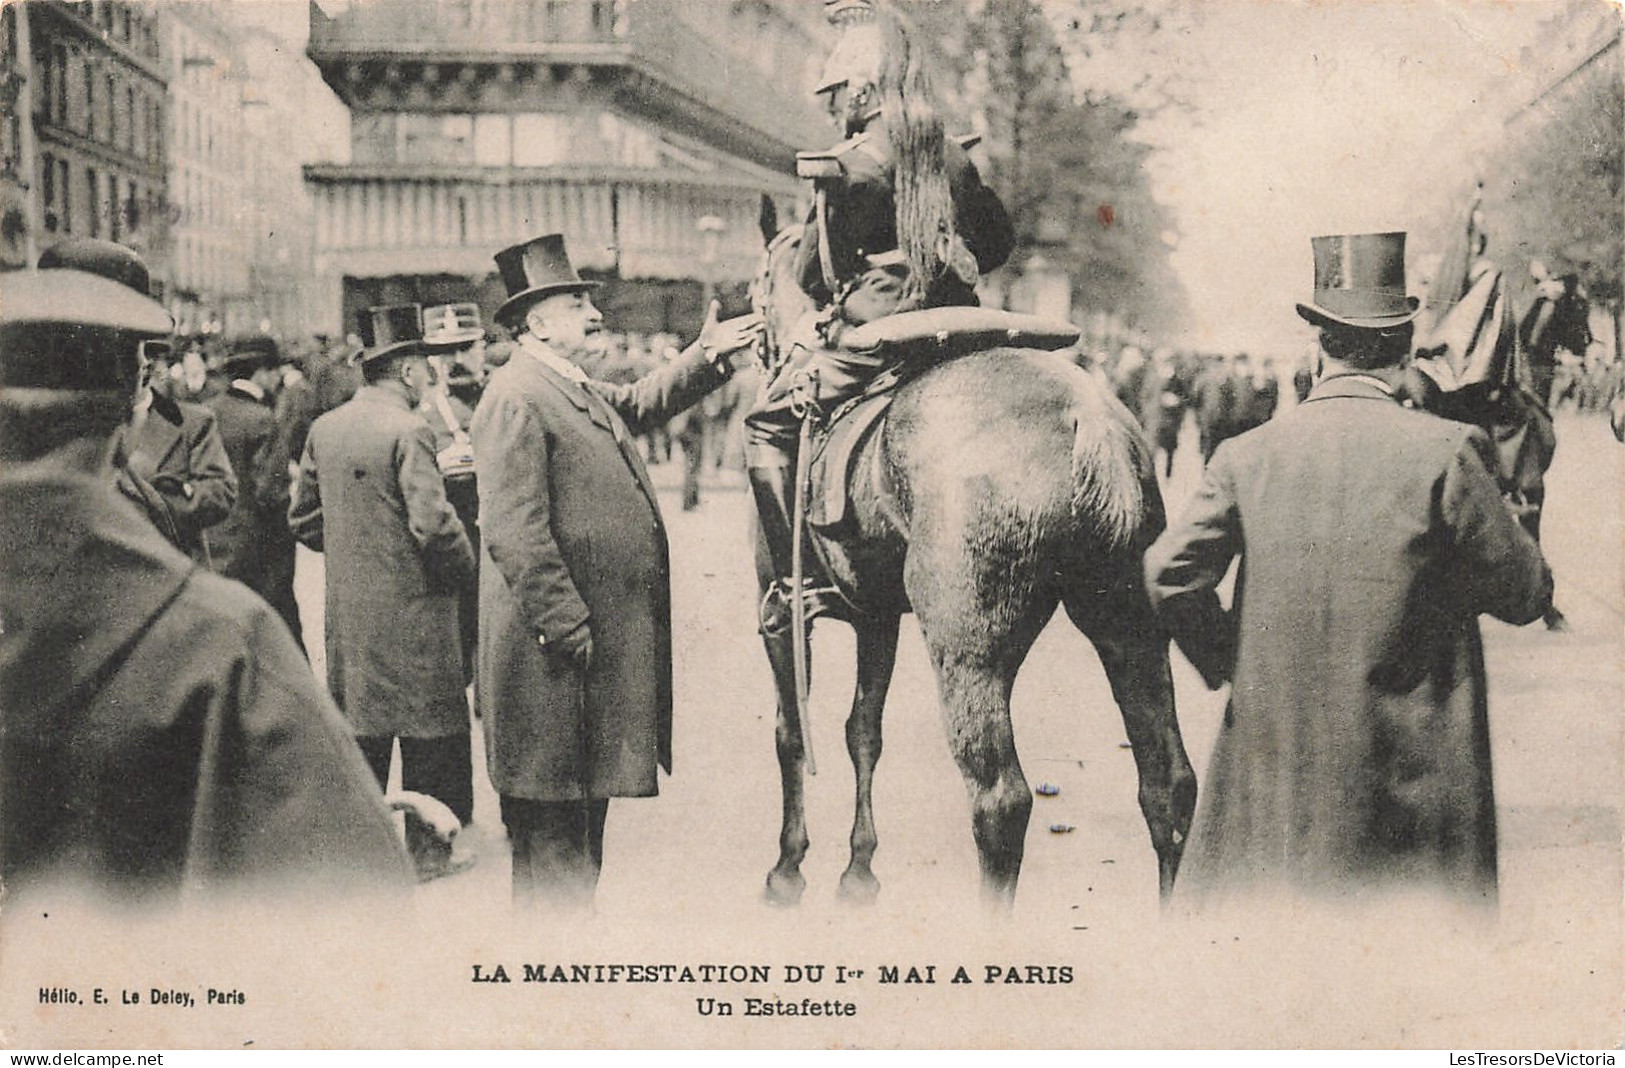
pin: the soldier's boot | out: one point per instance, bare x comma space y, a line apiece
773, 486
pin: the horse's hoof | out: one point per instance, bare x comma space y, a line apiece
859, 888
784, 891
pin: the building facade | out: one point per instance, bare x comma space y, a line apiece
86, 100
207, 161
647, 131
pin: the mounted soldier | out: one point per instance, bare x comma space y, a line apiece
901, 222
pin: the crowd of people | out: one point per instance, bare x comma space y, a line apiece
489, 526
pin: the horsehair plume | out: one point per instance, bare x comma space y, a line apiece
924, 202
1106, 478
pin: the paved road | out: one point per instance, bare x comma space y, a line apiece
693, 860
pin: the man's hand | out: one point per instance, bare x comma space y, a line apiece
575, 647
722, 339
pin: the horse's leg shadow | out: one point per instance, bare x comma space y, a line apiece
877, 655
785, 882
1134, 652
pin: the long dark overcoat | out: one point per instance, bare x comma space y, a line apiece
159, 730
372, 500
255, 529
572, 532
252, 544
180, 452
1355, 746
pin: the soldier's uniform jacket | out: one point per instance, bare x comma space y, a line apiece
572, 533
1355, 746
862, 212
179, 451
160, 731
371, 498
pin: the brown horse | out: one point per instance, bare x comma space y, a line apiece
1008, 482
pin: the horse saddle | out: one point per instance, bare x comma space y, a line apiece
919, 340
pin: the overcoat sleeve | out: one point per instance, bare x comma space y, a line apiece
283, 794
662, 393
1498, 565
305, 510
512, 460
214, 483
272, 484
1185, 566
440, 537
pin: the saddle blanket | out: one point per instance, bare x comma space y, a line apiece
920, 339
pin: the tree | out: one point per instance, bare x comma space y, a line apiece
1556, 192
1063, 153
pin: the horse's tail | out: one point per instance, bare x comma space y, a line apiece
1108, 467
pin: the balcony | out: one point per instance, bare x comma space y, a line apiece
694, 68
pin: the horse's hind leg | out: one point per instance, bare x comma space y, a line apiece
877, 654
977, 641
1134, 652
785, 882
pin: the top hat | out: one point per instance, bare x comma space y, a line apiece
1360, 281
451, 326
390, 330
252, 353
533, 270
62, 328
110, 260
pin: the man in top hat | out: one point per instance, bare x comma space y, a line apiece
455, 342
253, 545
161, 734
574, 673
1355, 748
371, 499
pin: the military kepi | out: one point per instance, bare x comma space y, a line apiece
73, 330
390, 330
536, 269
1360, 281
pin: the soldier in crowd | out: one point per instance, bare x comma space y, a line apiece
252, 545
1355, 750
455, 341
901, 221
574, 672
162, 736
370, 497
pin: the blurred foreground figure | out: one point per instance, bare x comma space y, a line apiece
1355, 749
159, 731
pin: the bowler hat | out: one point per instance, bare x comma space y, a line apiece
533, 270
1360, 281
110, 260
390, 330
67, 329
252, 353
450, 326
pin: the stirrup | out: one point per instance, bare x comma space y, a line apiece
774, 615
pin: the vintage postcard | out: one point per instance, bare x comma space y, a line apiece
1153, 213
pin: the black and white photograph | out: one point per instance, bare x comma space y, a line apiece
812, 524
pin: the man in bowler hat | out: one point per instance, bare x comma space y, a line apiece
1355, 752
574, 669
252, 544
371, 499
162, 736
